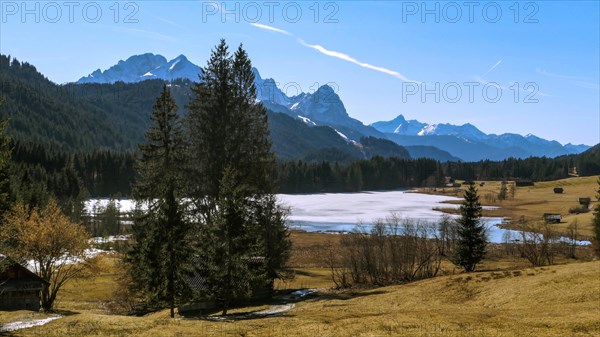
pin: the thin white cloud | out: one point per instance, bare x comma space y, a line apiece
578, 81
351, 59
565, 77
273, 29
587, 85
170, 22
493, 67
510, 87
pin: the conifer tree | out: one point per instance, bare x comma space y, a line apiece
228, 244
232, 188
160, 257
503, 191
472, 241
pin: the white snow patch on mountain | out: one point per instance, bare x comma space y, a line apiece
173, 65
342, 135
307, 121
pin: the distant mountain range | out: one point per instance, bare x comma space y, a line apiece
471, 144
325, 108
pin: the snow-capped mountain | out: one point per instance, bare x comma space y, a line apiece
268, 91
467, 131
325, 108
179, 67
145, 67
470, 143
130, 70
323, 105
400, 126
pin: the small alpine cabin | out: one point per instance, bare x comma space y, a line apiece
20, 288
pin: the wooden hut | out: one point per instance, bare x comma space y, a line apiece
20, 288
585, 202
552, 218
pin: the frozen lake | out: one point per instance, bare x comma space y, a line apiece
341, 212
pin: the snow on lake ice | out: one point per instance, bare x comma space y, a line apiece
366, 207
343, 211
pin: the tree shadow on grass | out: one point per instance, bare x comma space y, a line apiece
305, 273
63, 312
280, 304
345, 295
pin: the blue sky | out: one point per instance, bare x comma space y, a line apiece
532, 67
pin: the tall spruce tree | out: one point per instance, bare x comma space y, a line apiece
596, 221
232, 188
160, 258
472, 240
228, 244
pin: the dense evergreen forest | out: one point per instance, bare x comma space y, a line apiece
86, 147
39, 170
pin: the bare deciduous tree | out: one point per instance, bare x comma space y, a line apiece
392, 251
538, 244
50, 241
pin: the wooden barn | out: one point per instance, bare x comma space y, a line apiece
552, 218
20, 288
524, 183
585, 202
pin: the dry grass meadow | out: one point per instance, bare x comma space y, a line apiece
561, 300
532, 202
504, 298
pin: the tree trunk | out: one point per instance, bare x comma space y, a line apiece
47, 299
225, 307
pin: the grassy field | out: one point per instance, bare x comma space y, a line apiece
505, 298
561, 300
532, 202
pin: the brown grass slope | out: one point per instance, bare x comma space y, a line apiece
531, 202
551, 301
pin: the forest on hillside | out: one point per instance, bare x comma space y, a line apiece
86, 146
39, 170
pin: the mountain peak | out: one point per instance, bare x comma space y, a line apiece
181, 57
143, 67
399, 119
400, 126
326, 88
256, 73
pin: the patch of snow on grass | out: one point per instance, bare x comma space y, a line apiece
112, 238
29, 324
